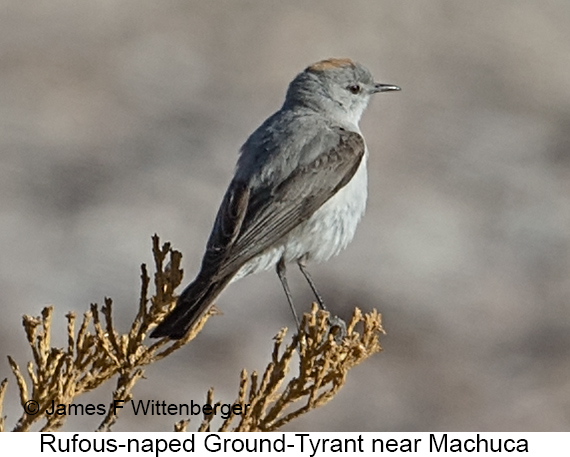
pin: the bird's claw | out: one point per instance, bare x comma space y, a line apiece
337, 327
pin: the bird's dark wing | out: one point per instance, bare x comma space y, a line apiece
249, 223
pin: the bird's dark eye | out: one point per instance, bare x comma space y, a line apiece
354, 88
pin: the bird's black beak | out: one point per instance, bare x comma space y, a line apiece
383, 88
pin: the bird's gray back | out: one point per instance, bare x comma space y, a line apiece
286, 140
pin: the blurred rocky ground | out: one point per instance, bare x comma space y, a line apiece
119, 119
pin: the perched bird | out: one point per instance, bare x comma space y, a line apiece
298, 192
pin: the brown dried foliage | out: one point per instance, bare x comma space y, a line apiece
97, 353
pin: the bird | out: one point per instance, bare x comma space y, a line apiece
298, 192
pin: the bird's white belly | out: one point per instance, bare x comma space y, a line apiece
325, 234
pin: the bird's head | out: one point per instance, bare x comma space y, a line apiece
339, 87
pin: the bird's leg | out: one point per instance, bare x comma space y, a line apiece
281, 270
307, 276
334, 321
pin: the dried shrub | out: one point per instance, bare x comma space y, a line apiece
97, 353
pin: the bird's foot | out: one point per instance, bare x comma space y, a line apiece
337, 328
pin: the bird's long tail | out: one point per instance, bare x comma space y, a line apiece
194, 301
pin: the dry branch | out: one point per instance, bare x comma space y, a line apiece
97, 352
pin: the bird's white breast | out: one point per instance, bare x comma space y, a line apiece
325, 233
333, 225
